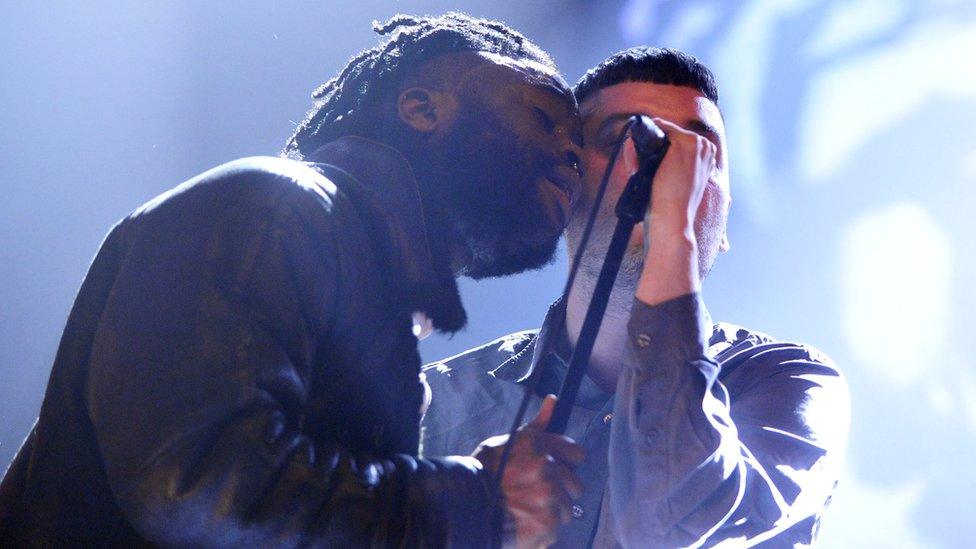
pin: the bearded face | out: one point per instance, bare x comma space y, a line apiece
504, 206
501, 178
496, 144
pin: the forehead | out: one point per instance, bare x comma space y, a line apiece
682, 105
500, 69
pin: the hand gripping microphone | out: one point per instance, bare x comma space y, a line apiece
651, 145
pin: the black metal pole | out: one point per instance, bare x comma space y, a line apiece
591, 326
652, 145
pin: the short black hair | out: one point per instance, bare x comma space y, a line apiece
342, 102
646, 64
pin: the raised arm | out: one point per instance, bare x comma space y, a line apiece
689, 467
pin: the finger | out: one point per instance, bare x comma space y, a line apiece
557, 504
627, 162
545, 412
706, 148
673, 130
564, 480
533, 531
562, 506
545, 530
561, 448
542, 515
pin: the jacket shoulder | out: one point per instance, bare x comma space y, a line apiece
486, 357
257, 182
732, 345
783, 386
465, 392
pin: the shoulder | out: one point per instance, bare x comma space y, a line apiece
247, 184
733, 346
787, 386
242, 200
466, 392
251, 214
463, 369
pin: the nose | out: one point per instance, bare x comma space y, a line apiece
571, 155
573, 158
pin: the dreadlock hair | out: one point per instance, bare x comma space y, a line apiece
343, 105
646, 64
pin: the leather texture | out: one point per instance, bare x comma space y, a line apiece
239, 369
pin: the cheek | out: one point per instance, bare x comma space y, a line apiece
713, 208
595, 164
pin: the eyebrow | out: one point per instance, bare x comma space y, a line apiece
703, 129
613, 119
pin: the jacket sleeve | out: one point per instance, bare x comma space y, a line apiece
683, 473
201, 368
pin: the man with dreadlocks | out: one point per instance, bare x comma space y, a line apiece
240, 366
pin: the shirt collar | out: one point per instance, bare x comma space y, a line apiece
551, 351
381, 179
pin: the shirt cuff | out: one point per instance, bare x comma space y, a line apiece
676, 330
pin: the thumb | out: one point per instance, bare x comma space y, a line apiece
627, 162
545, 412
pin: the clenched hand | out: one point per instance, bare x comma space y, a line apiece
539, 484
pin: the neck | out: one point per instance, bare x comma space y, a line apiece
605, 361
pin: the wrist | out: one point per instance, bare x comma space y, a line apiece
670, 222
668, 242
670, 265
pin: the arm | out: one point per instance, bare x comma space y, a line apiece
201, 368
683, 473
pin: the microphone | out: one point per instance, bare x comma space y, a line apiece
651, 144
648, 137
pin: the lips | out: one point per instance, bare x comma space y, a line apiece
566, 180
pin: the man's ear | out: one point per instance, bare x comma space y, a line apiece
725, 245
421, 109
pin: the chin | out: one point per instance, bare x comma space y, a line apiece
512, 258
514, 231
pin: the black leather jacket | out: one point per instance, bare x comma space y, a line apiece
239, 368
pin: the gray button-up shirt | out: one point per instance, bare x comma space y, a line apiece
732, 438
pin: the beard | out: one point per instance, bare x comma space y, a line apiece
488, 194
709, 230
591, 262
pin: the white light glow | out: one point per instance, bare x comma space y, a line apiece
875, 89
969, 165
896, 269
875, 516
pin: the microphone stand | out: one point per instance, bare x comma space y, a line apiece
651, 146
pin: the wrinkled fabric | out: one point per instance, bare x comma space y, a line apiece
715, 434
239, 368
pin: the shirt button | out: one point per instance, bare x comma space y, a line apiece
607, 419
643, 340
577, 512
651, 436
